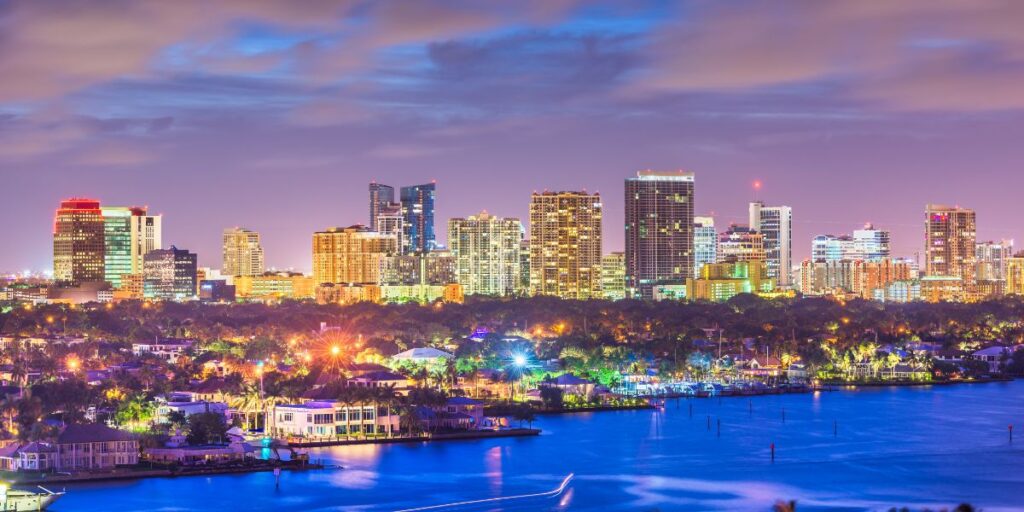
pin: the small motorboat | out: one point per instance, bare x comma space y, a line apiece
20, 500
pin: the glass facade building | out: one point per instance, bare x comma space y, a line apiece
418, 218
659, 230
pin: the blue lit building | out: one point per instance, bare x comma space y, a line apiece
418, 217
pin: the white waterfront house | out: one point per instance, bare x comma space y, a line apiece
326, 418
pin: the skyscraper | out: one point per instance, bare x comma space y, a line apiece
381, 196
775, 223
565, 244
871, 244
950, 238
991, 259
740, 243
486, 251
833, 248
613, 276
705, 243
79, 242
659, 230
170, 274
243, 253
129, 233
351, 255
418, 217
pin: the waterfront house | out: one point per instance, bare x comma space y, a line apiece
183, 403
995, 356
484, 383
91, 446
210, 390
328, 418
459, 413
36, 456
177, 450
169, 350
571, 385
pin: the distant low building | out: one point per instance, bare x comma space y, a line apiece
169, 349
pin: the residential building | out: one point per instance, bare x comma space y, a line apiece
432, 268
831, 277
991, 259
486, 251
950, 243
418, 218
243, 253
659, 230
565, 244
351, 255
1015, 274
79, 236
169, 350
613, 276
775, 224
740, 243
705, 243
92, 446
881, 273
170, 274
275, 286
216, 290
332, 419
719, 282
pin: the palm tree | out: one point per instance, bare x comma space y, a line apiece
248, 402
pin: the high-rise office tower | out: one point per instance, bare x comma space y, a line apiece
170, 274
659, 230
418, 216
775, 223
565, 244
351, 255
243, 253
950, 238
79, 242
705, 243
117, 243
871, 244
486, 251
381, 196
740, 243
834, 248
991, 258
613, 276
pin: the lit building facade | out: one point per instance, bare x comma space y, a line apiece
950, 244
740, 243
382, 197
833, 248
418, 218
870, 244
79, 239
720, 282
613, 276
705, 243
275, 286
432, 268
486, 251
170, 274
565, 244
1015, 275
117, 244
659, 230
775, 223
243, 253
350, 255
991, 259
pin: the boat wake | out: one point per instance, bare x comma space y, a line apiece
503, 499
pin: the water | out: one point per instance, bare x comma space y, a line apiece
913, 447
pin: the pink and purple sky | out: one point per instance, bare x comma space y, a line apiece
274, 115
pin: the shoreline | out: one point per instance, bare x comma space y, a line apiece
907, 384
448, 436
129, 474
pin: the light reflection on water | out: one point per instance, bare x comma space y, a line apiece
895, 447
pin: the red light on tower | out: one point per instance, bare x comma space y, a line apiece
757, 184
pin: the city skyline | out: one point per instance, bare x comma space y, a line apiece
557, 97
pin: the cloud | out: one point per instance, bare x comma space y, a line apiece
113, 154
913, 54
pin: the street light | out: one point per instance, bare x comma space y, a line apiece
519, 360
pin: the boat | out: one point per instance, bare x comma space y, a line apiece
22, 499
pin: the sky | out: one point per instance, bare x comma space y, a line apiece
274, 115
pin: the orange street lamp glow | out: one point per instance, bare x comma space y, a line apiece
73, 364
335, 350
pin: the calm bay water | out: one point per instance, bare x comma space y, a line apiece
895, 446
